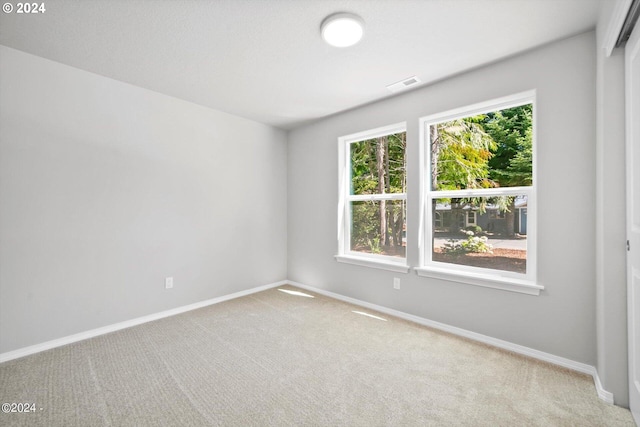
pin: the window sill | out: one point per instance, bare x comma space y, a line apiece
373, 263
487, 281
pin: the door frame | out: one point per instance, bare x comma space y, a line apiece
632, 146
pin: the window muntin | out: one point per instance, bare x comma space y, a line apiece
478, 179
373, 194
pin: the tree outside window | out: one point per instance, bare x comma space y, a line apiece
378, 168
481, 171
375, 194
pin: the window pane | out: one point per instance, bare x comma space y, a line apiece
378, 227
497, 240
378, 165
483, 151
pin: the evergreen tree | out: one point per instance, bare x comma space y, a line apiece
511, 164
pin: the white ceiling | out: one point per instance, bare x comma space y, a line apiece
265, 60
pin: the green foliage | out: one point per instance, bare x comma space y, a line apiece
484, 151
461, 150
374, 245
366, 235
475, 229
503, 203
378, 166
511, 164
365, 169
365, 232
487, 150
472, 244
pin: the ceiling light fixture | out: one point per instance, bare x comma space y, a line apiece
342, 29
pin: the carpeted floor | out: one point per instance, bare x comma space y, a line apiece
279, 359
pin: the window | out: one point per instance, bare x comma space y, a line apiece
373, 198
471, 218
479, 172
437, 220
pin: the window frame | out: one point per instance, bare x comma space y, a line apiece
345, 254
471, 214
499, 279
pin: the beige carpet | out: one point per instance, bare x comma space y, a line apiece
276, 359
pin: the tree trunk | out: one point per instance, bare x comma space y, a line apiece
387, 183
391, 237
400, 225
398, 229
380, 162
509, 218
435, 148
456, 211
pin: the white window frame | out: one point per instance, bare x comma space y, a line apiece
441, 219
474, 215
499, 279
345, 254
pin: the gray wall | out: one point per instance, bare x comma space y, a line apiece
561, 320
610, 217
106, 188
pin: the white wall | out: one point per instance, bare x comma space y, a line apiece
561, 320
106, 188
610, 215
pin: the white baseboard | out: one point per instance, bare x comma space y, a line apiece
602, 393
26, 351
516, 348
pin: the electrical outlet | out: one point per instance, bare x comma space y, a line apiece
168, 283
396, 283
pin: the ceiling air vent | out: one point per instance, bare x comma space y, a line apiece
404, 84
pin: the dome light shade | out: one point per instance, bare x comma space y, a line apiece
342, 29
